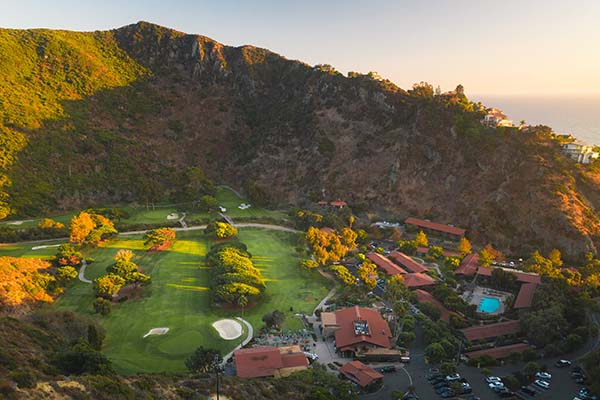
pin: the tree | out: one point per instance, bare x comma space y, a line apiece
66, 273
485, 258
95, 337
159, 238
435, 353
242, 302
555, 258
435, 252
344, 275
81, 226
123, 255
407, 246
220, 230
367, 272
503, 280
531, 368
108, 285
396, 290
82, 358
309, 264
422, 89
464, 246
102, 306
208, 202
421, 240
274, 319
204, 360
448, 368
48, 223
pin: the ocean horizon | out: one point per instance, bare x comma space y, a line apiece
574, 114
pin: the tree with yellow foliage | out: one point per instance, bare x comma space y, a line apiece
421, 240
367, 272
464, 246
81, 226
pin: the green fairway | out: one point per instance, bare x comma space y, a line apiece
31, 250
178, 298
138, 214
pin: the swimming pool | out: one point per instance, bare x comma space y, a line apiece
489, 305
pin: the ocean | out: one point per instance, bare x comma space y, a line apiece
578, 115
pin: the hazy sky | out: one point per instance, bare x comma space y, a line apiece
508, 46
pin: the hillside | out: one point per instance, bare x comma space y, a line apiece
119, 115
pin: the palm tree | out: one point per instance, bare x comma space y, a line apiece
242, 302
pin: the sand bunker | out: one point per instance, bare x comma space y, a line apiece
173, 216
157, 331
228, 329
45, 246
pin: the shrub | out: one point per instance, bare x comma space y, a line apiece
102, 306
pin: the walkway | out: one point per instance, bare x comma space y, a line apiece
182, 221
226, 218
82, 277
249, 337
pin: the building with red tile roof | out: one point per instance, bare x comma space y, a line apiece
360, 374
418, 280
469, 265
499, 352
385, 264
359, 329
338, 203
491, 330
426, 297
525, 295
434, 227
269, 361
523, 277
406, 262
445, 253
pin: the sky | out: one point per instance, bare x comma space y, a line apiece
522, 47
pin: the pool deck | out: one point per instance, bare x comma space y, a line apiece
479, 293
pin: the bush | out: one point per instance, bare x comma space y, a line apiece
24, 379
448, 368
102, 306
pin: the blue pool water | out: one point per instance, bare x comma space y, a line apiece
489, 305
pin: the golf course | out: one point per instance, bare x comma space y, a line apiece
179, 297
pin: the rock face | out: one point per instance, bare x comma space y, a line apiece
286, 132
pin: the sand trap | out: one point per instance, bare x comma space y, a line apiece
157, 331
228, 329
45, 246
19, 222
173, 216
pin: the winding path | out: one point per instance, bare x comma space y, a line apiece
82, 277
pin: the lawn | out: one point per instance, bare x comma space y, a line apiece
178, 298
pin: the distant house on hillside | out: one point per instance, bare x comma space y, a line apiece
495, 118
446, 231
580, 152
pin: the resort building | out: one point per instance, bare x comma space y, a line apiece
434, 228
361, 374
385, 264
356, 330
407, 263
338, 204
495, 118
426, 297
418, 280
525, 295
499, 352
469, 265
491, 331
423, 251
269, 361
580, 152
523, 277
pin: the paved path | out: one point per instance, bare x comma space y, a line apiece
182, 221
226, 218
238, 194
82, 277
249, 337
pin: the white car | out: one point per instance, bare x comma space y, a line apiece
491, 379
495, 386
452, 377
543, 375
542, 384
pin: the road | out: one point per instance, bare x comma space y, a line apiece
81, 275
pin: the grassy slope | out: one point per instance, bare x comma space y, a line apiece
179, 299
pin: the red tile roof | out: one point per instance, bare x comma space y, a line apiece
469, 265
491, 330
360, 374
434, 226
382, 262
499, 352
445, 253
322, 203
418, 280
338, 203
379, 333
266, 361
407, 262
327, 230
525, 295
524, 277
426, 297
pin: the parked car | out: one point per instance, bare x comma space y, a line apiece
472, 397
447, 394
491, 379
432, 375
542, 384
496, 386
438, 380
441, 385
585, 394
452, 377
543, 375
562, 363
465, 389
442, 389
506, 393
528, 390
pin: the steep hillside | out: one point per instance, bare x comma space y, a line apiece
119, 115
